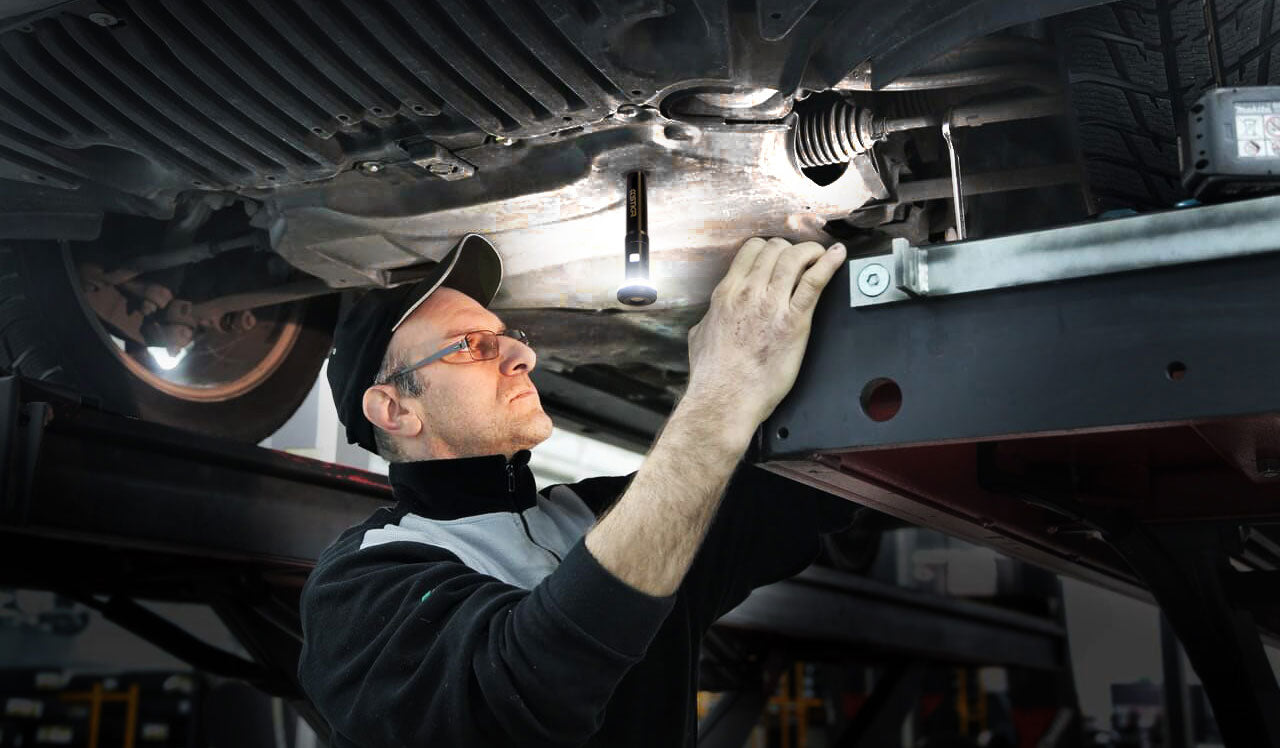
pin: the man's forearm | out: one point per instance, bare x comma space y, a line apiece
744, 357
649, 538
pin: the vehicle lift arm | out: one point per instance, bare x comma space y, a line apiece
1099, 399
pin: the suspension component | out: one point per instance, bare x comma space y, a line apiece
844, 129
834, 135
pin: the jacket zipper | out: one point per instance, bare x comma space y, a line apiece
511, 494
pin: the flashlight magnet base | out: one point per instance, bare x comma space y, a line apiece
637, 293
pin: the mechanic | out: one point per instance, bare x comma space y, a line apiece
479, 611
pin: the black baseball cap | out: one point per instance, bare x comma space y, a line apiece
360, 342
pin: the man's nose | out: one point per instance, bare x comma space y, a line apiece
517, 358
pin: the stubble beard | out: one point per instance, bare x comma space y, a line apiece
518, 425
507, 436
530, 429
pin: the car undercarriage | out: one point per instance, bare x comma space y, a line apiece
190, 192
203, 162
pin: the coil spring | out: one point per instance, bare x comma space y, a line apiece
832, 136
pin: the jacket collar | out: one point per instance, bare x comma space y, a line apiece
465, 486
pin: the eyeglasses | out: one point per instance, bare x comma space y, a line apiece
477, 345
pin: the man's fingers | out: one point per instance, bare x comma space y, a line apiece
762, 270
746, 257
791, 264
816, 278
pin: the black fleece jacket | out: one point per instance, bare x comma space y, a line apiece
472, 614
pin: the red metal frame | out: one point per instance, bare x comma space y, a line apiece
1164, 474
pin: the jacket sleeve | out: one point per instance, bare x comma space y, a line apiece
404, 645
767, 529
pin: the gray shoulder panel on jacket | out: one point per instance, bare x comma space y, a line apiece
495, 543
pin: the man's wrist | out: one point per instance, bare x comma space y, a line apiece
718, 419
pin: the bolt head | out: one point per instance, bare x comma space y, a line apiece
371, 167
873, 280
628, 111
505, 141
441, 168
104, 19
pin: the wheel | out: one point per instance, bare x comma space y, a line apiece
239, 385
1136, 67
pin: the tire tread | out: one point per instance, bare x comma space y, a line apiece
1134, 69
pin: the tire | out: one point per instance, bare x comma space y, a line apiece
1134, 70
48, 333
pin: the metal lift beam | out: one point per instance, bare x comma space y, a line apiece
88, 494
1099, 399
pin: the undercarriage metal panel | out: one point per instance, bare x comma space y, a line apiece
236, 94
128, 106
554, 210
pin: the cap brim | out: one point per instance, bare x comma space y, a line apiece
473, 267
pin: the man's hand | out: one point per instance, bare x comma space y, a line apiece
744, 356
745, 353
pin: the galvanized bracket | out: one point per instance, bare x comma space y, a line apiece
1176, 237
911, 268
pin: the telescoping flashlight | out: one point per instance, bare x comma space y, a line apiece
637, 290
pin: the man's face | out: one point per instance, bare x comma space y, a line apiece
474, 408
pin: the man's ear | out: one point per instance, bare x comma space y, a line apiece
383, 408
